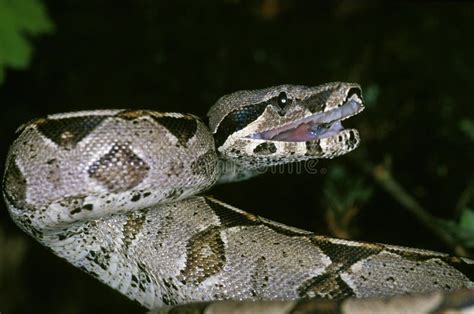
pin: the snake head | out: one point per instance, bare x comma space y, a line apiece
286, 123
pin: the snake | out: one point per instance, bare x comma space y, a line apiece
119, 194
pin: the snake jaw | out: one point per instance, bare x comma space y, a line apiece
315, 126
307, 126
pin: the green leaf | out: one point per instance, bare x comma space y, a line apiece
2, 75
31, 16
15, 51
20, 19
343, 191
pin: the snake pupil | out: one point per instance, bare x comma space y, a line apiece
282, 100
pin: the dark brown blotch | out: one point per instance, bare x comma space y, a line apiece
205, 256
313, 148
352, 141
317, 102
343, 254
88, 207
183, 128
133, 114
133, 227
100, 257
239, 119
14, 184
144, 279
120, 169
265, 149
67, 132
231, 218
327, 286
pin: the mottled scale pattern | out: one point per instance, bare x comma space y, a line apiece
116, 161
201, 249
120, 169
460, 301
115, 193
183, 128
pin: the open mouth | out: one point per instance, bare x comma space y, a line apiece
317, 126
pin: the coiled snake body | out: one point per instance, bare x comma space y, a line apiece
114, 193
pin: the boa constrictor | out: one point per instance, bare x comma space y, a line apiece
114, 193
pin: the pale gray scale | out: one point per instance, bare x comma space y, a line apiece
387, 274
102, 249
38, 160
260, 278
206, 165
287, 263
286, 260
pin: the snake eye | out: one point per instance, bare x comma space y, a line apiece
282, 100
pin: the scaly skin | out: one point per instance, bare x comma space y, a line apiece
113, 192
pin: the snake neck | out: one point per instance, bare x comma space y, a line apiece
232, 171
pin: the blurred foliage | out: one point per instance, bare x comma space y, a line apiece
467, 127
12, 253
463, 229
371, 95
19, 21
344, 195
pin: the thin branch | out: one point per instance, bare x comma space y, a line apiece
383, 176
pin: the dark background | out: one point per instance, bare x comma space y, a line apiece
414, 62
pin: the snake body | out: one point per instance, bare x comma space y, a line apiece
116, 193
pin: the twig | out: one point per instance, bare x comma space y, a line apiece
383, 176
